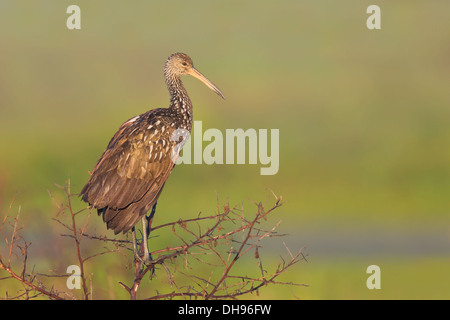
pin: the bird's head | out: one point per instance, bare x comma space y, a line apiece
180, 63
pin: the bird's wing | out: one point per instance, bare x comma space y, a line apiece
134, 167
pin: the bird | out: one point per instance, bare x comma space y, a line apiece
130, 175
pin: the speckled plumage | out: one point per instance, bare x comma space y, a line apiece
130, 175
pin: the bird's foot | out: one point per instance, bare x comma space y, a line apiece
145, 261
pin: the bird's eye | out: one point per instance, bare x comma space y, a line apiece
184, 64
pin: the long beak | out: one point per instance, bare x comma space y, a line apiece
196, 74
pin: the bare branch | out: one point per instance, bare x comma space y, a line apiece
216, 242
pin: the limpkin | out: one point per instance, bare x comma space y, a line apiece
129, 176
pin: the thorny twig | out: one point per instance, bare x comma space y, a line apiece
27, 280
216, 241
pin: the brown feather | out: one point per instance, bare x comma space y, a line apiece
129, 176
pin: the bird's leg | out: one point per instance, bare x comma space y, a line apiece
146, 226
145, 239
135, 249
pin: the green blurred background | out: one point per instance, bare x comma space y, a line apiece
364, 119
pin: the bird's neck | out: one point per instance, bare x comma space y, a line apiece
180, 103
